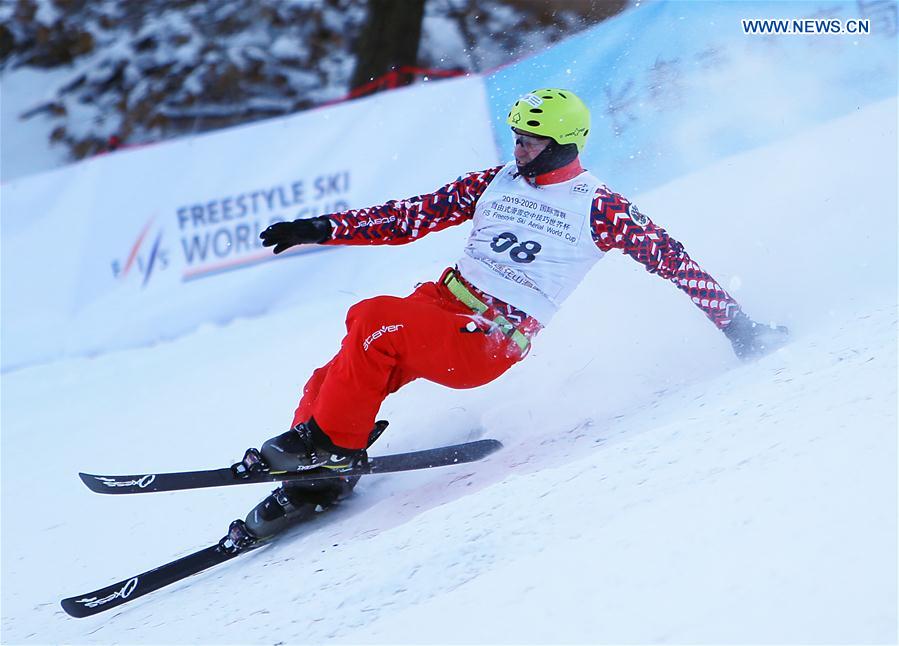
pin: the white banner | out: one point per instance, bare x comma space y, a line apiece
143, 245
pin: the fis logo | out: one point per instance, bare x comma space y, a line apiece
147, 258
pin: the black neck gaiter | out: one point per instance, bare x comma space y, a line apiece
551, 158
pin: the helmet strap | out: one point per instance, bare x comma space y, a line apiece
553, 157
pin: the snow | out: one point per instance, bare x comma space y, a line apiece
47, 14
25, 149
652, 488
285, 47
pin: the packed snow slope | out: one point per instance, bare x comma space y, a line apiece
652, 488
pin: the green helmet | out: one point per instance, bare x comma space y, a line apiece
554, 113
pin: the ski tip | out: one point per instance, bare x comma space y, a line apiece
116, 484
90, 481
492, 445
480, 449
119, 484
73, 609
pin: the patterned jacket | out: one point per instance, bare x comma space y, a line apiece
615, 224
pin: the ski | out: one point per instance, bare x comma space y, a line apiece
237, 541
252, 470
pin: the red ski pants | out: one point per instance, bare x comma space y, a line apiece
391, 341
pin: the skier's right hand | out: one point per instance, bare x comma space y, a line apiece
752, 340
284, 235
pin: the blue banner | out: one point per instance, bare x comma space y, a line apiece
675, 86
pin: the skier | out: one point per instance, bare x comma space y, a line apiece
539, 224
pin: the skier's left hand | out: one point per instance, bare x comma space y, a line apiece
752, 340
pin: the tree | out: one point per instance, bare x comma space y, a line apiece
389, 39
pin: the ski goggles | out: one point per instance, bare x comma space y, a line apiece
470, 300
529, 140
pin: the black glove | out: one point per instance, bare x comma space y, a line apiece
752, 340
284, 235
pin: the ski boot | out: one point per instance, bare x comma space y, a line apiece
306, 447
276, 513
292, 503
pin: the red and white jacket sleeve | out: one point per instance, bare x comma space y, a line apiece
617, 224
403, 221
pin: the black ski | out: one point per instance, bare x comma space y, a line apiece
251, 471
237, 541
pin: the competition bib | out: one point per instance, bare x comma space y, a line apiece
531, 245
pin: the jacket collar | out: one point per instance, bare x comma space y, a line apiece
567, 172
